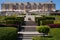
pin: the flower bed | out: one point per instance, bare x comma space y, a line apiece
54, 25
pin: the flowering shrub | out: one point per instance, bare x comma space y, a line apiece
54, 25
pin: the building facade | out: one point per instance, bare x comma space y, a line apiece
47, 6
26, 7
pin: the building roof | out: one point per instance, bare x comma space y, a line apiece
29, 2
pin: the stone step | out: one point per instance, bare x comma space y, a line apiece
29, 28
28, 35
23, 39
31, 23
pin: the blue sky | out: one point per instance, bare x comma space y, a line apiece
57, 2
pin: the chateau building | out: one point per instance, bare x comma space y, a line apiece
27, 7
47, 6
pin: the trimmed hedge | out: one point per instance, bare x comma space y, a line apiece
43, 29
14, 20
8, 33
38, 19
50, 18
45, 20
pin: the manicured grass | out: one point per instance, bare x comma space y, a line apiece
8, 33
54, 34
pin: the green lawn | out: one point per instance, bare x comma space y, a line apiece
54, 34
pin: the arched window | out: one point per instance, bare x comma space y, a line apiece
6, 6
39, 6
28, 6
35, 6
15, 6
50, 7
22, 6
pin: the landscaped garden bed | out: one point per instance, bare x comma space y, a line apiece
12, 21
44, 20
54, 25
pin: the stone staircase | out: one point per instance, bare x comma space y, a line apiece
28, 35
29, 30
31, 23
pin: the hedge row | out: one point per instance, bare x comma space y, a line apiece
44, 20
13, 20
8, 33
43, 29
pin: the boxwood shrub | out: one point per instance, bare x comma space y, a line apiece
8, 33
50, 18
38, 19
43, 29
14, 20
45, 22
